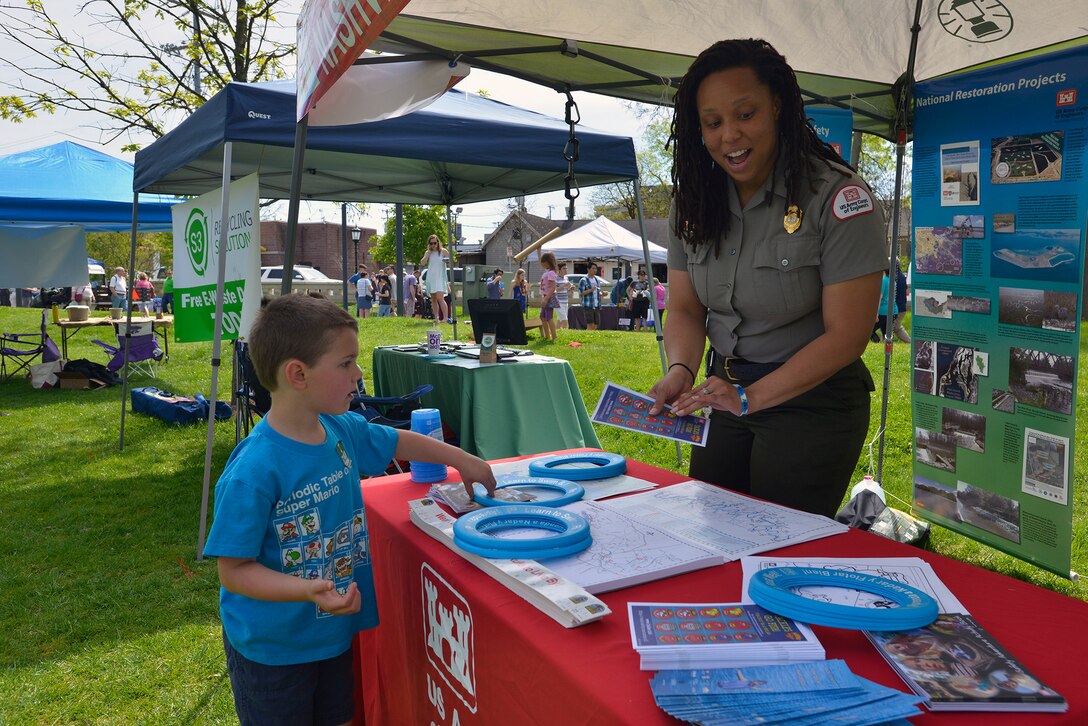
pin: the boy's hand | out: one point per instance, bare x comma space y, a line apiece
325, 596
475, 469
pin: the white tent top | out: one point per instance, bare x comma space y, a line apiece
601, 239
846, 53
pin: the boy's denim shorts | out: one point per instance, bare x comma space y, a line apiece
321, 693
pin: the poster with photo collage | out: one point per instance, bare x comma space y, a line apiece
999, 204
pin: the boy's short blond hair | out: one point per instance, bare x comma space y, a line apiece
294, 327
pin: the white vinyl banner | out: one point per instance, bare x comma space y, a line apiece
197, 244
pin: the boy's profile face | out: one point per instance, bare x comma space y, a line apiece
333, 380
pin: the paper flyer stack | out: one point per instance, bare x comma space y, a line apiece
713, 635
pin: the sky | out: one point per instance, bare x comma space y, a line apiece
598, 112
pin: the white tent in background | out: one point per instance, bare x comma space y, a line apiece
601, 239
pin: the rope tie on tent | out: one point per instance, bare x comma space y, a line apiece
570, 153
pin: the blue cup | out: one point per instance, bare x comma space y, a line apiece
428, 422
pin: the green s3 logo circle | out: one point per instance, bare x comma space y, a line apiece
198, 240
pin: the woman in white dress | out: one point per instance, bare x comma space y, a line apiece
435, 259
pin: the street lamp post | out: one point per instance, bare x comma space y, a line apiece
356, 235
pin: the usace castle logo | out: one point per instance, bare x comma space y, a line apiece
198, 240
447, 630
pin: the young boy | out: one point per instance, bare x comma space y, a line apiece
290, 529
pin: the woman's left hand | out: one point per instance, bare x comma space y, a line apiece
713, 392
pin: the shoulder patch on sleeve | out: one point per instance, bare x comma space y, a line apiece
851, 201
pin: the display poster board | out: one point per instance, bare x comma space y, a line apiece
196, 227
835, 126
999, 204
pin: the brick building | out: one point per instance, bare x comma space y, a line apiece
319, 245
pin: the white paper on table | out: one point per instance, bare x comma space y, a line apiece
725, 521
912, 571
595, 488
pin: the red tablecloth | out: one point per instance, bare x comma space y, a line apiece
517, 665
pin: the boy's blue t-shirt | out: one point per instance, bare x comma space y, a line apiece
297, 508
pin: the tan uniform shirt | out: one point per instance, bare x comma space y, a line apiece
763, 290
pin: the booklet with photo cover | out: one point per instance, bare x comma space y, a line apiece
958, 666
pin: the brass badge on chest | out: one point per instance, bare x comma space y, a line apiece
792, 220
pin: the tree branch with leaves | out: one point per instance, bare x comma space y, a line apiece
137, 81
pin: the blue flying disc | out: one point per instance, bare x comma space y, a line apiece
607, 465
568, 491
908, 607
570, 532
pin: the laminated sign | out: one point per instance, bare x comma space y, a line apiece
198, 240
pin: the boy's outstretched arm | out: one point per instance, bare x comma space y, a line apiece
417, 447
246, 576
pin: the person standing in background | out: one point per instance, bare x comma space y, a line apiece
168, 293
391, 273
119, 289
385, 296
900, 304
548, 301
660, 296
589, 287
562, 294
638, 293
520, 289
435, 259
495, 285
145, 292
411, 289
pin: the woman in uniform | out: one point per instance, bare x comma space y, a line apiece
775, 255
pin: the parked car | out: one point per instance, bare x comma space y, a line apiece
304, 279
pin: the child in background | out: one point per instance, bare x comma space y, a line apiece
290, 530
520, 289
548, 301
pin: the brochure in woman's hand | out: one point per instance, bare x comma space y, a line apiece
630, 410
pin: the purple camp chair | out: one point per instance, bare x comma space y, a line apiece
143, 349
24, 348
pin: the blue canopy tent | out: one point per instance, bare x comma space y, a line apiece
460, 149
66, 183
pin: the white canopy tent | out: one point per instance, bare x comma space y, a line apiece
601, 239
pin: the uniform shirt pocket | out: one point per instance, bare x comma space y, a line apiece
700, 271
788, 270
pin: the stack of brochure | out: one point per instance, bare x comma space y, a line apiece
717, 635
803, 693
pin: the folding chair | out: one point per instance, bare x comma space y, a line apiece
143, 349
393, 411
23, 348
251, 399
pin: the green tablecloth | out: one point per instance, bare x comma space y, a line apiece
529, 406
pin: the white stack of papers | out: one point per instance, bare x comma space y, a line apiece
717, 635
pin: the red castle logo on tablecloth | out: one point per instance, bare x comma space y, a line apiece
447, 633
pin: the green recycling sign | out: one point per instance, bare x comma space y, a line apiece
199, 239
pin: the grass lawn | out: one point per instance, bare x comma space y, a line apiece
105, 615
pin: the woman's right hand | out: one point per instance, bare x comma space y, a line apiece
670, 387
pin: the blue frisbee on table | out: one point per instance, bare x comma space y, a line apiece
475, 532
558, 467
564, 491
908, 608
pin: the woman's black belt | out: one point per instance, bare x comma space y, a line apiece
737, 369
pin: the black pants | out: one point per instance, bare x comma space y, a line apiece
800, 453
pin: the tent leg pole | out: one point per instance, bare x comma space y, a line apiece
217, 346
293, 204
658, 329
344, 249
132, 275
